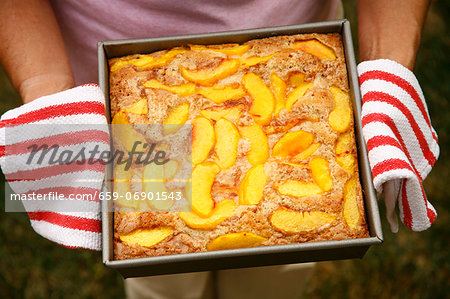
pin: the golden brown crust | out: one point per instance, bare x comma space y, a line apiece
310, 115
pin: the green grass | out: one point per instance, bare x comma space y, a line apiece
406, 265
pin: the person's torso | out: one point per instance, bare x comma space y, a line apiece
83, 23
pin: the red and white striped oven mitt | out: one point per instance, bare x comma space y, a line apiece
75, 121
401, 142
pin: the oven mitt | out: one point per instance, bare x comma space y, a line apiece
402, 144
75, 121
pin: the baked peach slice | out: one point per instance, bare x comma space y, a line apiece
234, 50
263, 100
125, 133
292, 143
236, 240
227, 139
176, 118
183, 89
279, 88
203, 139
290, 221
165, 58
321, 173
296, 94
351, 211
307, 152
122, 185
254, 60
140, 107
147, 237
341, 117
120, 118
153, 178
208, 77
316, 48
221, 94
347, 162
170, 169
221, 211
298, 189
148, 61
251, 188
259, 148
344, 144
297, 79
139, 62
202, 180
230, 112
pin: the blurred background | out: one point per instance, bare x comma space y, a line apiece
406, 265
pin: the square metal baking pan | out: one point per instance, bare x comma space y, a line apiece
257, 256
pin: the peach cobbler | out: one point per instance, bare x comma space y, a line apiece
273, 145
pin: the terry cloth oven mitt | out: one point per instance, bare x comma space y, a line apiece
402, 144
73, 120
